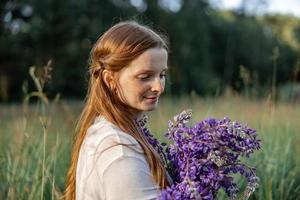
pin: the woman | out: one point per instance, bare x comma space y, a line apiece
112, 158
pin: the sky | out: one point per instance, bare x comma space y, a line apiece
273, 6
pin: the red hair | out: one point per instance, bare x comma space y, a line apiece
114, 50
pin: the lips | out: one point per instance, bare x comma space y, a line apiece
151, 99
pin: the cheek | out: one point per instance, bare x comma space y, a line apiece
136, 90
142, 91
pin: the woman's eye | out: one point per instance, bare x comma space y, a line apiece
144, 77
147, 76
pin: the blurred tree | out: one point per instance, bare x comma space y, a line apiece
207, 46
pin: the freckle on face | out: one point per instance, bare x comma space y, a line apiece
133, 89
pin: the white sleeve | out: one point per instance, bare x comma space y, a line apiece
129, 178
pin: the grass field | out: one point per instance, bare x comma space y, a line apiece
35, 143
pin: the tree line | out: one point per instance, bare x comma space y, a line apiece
210, 49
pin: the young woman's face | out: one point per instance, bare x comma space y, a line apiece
143, 81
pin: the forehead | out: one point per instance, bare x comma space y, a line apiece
154, 59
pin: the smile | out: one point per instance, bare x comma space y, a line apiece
151, 99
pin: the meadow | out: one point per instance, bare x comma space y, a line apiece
35, 142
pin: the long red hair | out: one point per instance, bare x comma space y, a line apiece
114, 50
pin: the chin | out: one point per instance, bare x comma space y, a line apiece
151, 109
147, 108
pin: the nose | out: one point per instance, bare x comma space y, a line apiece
158, 85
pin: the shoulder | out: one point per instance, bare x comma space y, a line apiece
103, 135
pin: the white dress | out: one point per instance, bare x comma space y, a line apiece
108, 172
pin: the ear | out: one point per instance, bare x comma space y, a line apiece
108, 78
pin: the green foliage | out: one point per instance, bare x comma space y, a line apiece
207, 46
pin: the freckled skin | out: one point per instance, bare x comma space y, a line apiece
143, 81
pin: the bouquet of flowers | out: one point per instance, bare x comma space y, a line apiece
201, 159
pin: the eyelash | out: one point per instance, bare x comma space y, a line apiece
147, 77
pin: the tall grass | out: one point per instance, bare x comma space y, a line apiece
34, 154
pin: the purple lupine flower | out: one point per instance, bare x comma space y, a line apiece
202, 158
